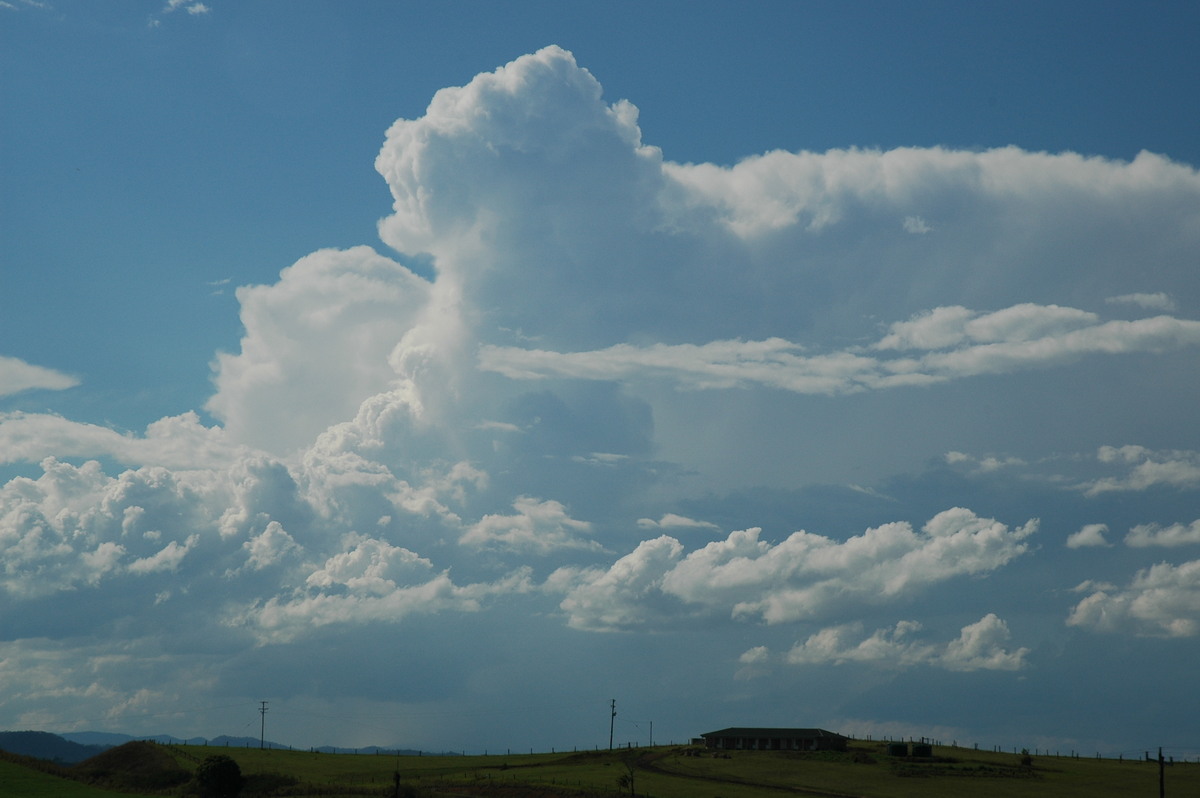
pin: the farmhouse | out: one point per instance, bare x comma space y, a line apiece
753, 739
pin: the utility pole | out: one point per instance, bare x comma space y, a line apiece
262, 731
611, 721
1162, 783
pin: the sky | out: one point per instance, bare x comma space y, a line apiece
441, 373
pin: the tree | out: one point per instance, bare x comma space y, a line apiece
219, 777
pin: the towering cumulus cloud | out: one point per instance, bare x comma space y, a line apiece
574, 335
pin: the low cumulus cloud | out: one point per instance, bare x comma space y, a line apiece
1160, 601
1105, 471
674, 521
179, 442
1091, 535
1144, 535
191, 8
803, 577
537, 526
1145, 468
1155, 301
979, 646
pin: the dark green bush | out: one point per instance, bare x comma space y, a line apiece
219, 777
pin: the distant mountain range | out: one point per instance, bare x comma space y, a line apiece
44, 745
72, 747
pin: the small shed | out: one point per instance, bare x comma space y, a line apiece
746, 738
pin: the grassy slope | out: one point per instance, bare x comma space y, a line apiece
18, 781
745, 774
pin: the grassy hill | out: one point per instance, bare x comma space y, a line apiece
665, 772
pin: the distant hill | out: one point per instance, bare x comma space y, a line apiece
382, 751
103, 739
73, 747
44, 745
112, 739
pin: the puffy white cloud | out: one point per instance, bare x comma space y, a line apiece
1088, 536
270, 547
538, 527
916, 225
16, 375
840, 644
887, 562
76, 526
1147, 469
324, 333
372, 567
179, 442
624, 596
982, 465
192, 7
370, 596
1156, 301
1163, 600
1144, 535
803, 577
943, 328
166, 559
979, 646
674, 521
755, 655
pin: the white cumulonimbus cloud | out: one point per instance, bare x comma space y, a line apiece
395, 442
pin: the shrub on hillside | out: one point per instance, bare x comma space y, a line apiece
218, 777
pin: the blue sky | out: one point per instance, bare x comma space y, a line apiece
442, 373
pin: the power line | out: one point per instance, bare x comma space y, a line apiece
638, 725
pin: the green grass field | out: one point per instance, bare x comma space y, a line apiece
19, 781
666, 772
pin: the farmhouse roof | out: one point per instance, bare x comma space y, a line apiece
783, 734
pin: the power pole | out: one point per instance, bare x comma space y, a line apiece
262, 732
1162, 783
611, 721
